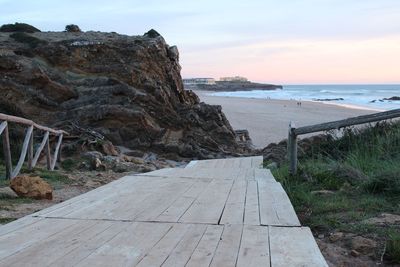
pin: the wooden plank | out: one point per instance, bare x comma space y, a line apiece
160, 252
18, 224
263, 175
294, 246
257, 162
275, 206
174, 212
227, 251
129, 246
87, 246
245, 162
234, 208
209, 205
54, 246
23, 152
40, 148
205, 250
55, 157
182, 252
7, 153
31, 234
191, 164
252, 208
104, 203
254, 247
159, 201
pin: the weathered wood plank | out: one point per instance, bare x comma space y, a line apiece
53, 247
205, 250
252, 208
182, 252
234, 207
257, 162
227, 251
210, 204
18, 224
160, 252
22, 238
263, 175
254, 247
275, 206
294, 246
23, 152
129, 246
174, 212
87, 246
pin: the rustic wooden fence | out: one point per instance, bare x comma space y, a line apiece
27, 147
295, 132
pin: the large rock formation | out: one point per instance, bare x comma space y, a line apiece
127, 88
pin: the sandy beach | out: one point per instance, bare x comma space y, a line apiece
267, 120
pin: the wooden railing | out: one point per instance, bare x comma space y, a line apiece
27, 147
294, 132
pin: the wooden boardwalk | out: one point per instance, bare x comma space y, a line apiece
225, 212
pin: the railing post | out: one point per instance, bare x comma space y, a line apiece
48, 154
7, 153
292, 149
30, 152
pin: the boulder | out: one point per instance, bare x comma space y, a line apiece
31, 186
72, 28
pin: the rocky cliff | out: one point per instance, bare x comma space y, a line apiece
128, 88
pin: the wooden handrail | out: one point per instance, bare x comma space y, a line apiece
10, 118
27, 147
348, 122
294, 132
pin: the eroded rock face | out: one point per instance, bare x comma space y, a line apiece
128, 88
33, 187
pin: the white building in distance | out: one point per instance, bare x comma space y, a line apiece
199, 81
233, 79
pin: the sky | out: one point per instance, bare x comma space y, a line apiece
283, 42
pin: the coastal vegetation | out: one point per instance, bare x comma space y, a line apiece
345, 183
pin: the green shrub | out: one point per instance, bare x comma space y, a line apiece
393, 246
385, 181
27, 39
69, 164
18, 27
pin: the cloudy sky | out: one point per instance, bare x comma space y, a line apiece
286, 41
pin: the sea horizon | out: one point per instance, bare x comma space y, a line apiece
363, 96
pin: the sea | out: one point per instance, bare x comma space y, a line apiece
362, 96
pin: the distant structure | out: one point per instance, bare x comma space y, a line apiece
233, 79
193, 81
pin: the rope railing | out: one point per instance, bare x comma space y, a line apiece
28, 146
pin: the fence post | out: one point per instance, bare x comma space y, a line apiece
292, 149
30, 152
7, 153
48, 154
